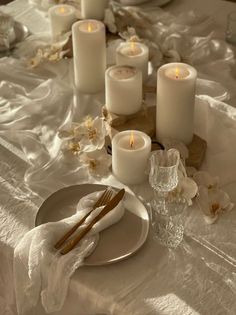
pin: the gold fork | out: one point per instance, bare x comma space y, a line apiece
102, 201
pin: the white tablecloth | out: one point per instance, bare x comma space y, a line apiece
198, 278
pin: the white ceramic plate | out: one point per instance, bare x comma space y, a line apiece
115, 243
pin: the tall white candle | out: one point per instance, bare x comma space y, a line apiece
175, 102
130, 154
133, 54
61, 19
123, 90
93, 9
89, 50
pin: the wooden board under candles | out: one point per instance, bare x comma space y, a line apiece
144, 121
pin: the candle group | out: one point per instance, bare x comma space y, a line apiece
134, 54
176, 84
123, 90
89, 50
130, 154
61, 18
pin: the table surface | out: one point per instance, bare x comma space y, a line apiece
199, 277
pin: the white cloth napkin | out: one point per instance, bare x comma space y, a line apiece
39, 270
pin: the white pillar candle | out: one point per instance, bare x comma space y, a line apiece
130, 154
175, 102
61, 19
123, 90
133, 54
89, 50
93, 9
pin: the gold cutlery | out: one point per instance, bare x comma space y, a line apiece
110, 205
102, 201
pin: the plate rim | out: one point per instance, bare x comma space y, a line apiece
116, 259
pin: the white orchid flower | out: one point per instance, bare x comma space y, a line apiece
186, 189
92, 133
98, 162
213, 202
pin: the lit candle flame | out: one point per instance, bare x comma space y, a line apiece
176, 73
62, 10
90, 27
131, 141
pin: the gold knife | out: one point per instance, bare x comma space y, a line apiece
111, 205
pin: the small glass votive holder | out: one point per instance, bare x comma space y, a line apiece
230, 34
167, 217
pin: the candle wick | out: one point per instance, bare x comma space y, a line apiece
131, 140
176, 73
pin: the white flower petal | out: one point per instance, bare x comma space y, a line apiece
229, 207
203, 200
205, 179
189, 188
211, 220
213, 202
191, 171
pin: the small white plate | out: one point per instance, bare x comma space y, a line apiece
116, 243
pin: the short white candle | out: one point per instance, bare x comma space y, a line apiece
61, 19
130, 154
93, 9
89, 50
123, 90
133, 54
176, 84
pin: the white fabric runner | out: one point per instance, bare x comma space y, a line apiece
198, 278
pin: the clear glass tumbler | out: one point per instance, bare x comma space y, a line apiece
231, 28
167, 213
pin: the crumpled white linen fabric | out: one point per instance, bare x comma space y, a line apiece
42, 272
201, 281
